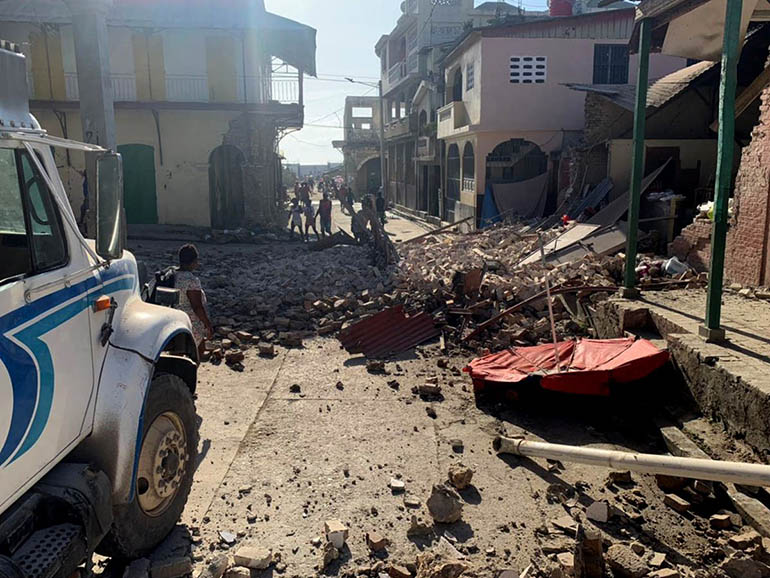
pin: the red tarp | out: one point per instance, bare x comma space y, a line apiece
587, 367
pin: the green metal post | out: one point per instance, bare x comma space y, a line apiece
725, 154
637, 158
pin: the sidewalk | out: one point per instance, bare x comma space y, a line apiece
729, 381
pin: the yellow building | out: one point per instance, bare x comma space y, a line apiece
201, 90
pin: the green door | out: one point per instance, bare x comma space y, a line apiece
140, 197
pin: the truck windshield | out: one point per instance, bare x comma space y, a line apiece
31, 234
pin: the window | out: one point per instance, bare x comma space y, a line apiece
469, 70
31, 237
528, 69
610, 64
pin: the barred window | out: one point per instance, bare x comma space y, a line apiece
528, 69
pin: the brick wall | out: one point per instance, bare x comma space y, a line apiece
693, 245
748, 247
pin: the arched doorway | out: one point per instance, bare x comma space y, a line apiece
469, 168
226, 187
139, 193
514, 161
452, 181
368, 177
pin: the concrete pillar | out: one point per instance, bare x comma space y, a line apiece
97, 113
92, 55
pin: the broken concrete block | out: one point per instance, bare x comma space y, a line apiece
566, 524
429, 389
676, 503
598, 512
336, 533
665, 573
567, 561
588, 553
238, 572
745, 540
741, 566
624, 562
670, 483
397, 571
376, 542
266, 350
460, 476
657, 560
412, 502
621, 478
232, 357
720, 521
444, 504
328, 554
216, 568
253, 557
418, 526
396, 486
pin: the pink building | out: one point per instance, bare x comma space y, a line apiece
510, 114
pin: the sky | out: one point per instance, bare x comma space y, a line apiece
347, 33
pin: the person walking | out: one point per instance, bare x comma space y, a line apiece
325, 212
310, 221
296, 216
192, 298
380, 206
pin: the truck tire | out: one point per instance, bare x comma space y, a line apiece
166, 464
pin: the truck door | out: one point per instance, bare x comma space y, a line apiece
46, 371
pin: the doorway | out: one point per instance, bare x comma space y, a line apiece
226, 187
139, 189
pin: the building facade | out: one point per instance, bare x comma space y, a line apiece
510, 113
411, 58
361, 144
201, 93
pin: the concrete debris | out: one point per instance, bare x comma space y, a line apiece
745, 540
238, 572
216, 568
677, 503
336, 532
444, 504
665, 573
432, 565
460, 476
329, 553
598, 512
397, 571
253, 557
589, 553
624, 563
396, 486
741, 566
620, 478
418, 526
376, 542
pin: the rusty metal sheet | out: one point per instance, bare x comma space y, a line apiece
388, 333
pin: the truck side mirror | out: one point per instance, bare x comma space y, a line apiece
109, 206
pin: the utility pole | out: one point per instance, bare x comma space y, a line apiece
97, 111
382, 143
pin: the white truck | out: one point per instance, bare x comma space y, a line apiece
98, 431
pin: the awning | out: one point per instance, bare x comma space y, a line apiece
692, 28
292, 42
586, 367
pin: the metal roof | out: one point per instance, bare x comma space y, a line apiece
388, 333
660, 91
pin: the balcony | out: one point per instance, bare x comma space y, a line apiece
452, 119
123, 87
426, 149
361, 136
396, 73
401, 127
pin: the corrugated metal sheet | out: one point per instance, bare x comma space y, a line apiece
659, 93
610, 25
388, 333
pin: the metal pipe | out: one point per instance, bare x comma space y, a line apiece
699, 469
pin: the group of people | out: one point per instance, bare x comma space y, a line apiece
302, 206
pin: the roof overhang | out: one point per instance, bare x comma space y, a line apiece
693, 28
292, 42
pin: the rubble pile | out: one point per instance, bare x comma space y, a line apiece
466, 279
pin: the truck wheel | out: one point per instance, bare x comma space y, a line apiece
167, 458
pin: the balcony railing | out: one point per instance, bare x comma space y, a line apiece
401, 127
426, 148
123, 87
452, 118
281, 87
469, 184
397, 72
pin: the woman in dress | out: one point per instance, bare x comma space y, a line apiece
192, 299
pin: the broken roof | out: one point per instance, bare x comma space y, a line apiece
660, 92
692, 28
